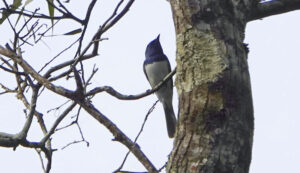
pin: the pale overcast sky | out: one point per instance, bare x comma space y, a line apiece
273, 62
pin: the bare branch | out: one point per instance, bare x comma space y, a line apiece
64, 127
66, 12
58, 107
59, 54
43, 16
86, 21
11, 71
22, 135
274, 7
37, 114
118, 134
97, 36
120, 96
74, 142
81, 134
118, 17
129, 172
10, 140
7, 90
80, 93
28, 69
57, 121
41, 159
67, 63
91, 76
113, 14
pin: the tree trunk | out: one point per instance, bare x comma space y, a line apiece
215, 129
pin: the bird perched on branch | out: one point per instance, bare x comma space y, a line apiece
156, 67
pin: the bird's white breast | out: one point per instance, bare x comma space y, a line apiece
156, 71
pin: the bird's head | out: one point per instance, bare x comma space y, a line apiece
154, 48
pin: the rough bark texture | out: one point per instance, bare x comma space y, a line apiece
215, 129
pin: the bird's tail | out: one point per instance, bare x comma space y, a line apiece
170, 119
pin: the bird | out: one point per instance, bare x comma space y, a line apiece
156, 66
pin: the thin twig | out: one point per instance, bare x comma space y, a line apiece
57, 121
41, 159
138, 135
58, 107
86, 22
59, 54
71, 143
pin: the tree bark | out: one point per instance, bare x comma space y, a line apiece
215, 126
